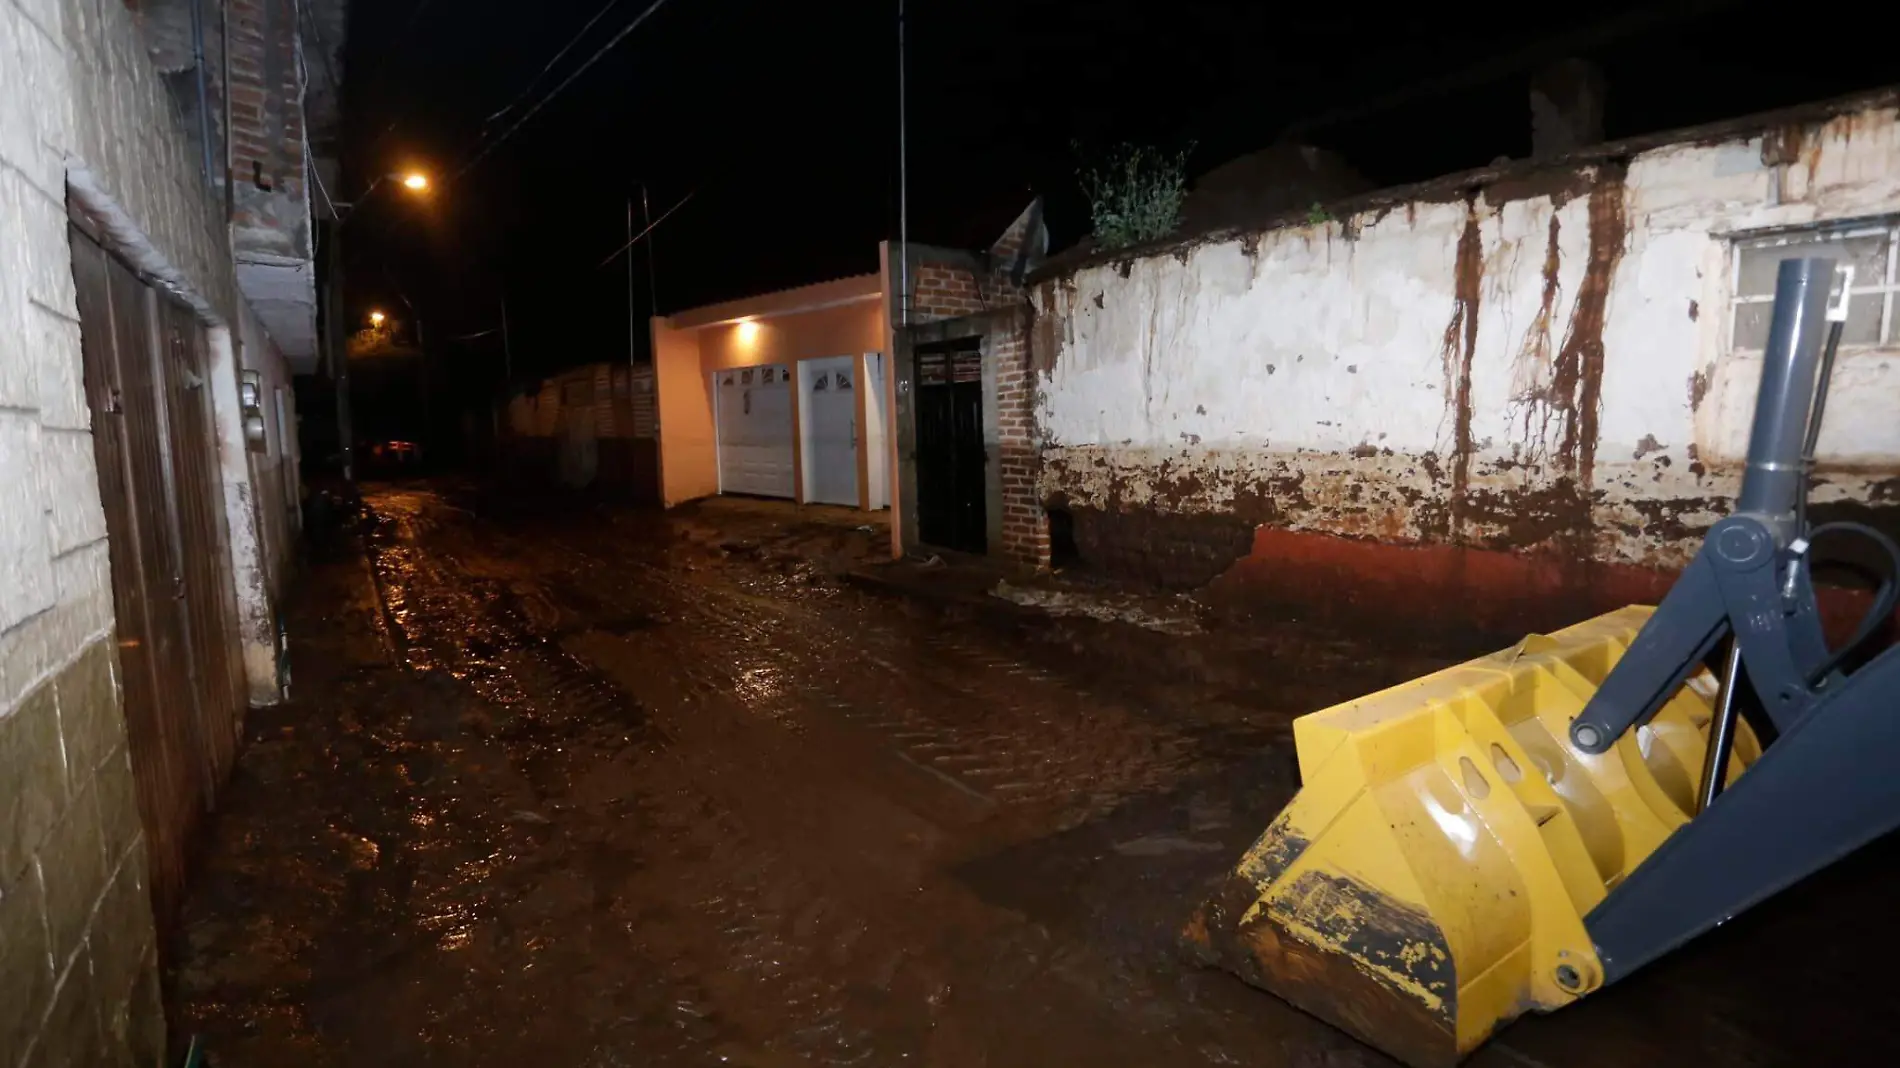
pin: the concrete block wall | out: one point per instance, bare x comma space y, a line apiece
83, 113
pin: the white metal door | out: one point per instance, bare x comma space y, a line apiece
753, 408
875, 421
829, 389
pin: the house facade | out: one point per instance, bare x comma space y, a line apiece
152, 312
781, 395
878, 391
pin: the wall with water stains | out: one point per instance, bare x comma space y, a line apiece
1518, 360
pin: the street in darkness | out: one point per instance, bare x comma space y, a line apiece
587, 786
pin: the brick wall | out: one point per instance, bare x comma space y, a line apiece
82, 109
267, 133
267, 121
946, 290
977, 287
952, 284
1025, 524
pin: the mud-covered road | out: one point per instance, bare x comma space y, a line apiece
585, 788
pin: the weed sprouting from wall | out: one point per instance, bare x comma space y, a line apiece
1135, 195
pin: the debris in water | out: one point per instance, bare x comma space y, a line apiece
1108, 608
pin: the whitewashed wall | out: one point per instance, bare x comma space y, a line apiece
1316, 376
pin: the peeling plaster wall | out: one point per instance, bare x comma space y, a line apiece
1532, 363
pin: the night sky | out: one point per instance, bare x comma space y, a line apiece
779, 119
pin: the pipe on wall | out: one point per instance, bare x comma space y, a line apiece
204, 92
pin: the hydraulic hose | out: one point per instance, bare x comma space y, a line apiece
1815, 412
1884, 598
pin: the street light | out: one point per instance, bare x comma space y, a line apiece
414, 181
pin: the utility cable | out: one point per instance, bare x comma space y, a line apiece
557, 90
558, 56
650, 227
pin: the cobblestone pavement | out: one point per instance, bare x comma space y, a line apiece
587, 788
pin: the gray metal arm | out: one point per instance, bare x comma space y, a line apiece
1826, 785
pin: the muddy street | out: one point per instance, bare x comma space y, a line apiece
592, 788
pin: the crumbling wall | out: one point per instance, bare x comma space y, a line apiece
1527, 362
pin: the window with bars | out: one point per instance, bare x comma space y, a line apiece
1870, 247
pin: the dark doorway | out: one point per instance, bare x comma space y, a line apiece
950, 457
1063, 552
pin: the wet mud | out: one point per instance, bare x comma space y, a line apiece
594, 788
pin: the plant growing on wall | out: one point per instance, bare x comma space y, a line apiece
1135, 195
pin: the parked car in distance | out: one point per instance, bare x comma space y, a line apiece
391, 458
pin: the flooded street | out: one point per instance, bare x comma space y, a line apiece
592, 788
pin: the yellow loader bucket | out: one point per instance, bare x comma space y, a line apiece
1429, 881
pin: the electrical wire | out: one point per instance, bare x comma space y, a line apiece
1809, 449
558, 56
317, 176
650, 226
557, 90
309, 20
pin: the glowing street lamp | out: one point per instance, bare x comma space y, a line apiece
376, 319
415, 182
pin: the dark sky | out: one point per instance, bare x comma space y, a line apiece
779, 119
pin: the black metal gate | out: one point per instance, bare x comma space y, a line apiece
950, 456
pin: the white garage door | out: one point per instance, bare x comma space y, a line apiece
754, 409
829, 421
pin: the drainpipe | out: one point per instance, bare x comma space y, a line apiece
204, 93
224, 48
903, 182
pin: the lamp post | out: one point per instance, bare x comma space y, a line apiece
416, 183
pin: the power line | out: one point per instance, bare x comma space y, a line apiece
650, 227
318, 175
557, 90
558, 56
